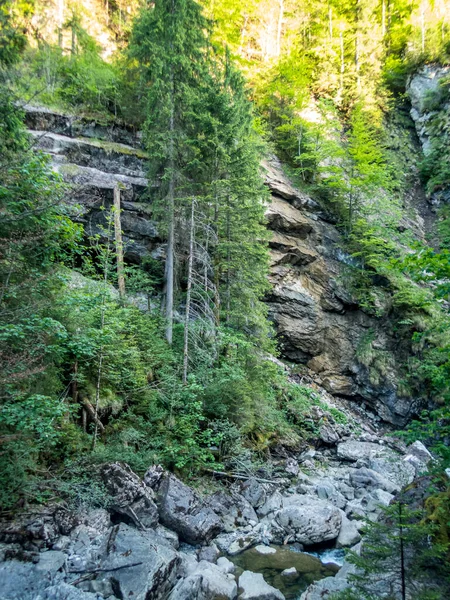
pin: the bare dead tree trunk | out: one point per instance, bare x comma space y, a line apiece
170, 258
119, 243
188, 295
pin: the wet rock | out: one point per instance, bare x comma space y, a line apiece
310, 520
207, 582
181, 510
155, 563
131, 497
252, 586
290, 573
266, 550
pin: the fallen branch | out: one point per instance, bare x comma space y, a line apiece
78, 572
238, 476
91, 412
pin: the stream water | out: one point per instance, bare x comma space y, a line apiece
310, 566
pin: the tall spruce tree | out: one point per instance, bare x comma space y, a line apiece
169, 41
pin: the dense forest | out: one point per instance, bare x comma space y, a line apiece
173, 356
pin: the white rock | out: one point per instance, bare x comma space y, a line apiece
261, 549
348, 534
252, 586
291, 573
310, 520
226, 565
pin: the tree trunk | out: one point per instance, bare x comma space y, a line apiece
341, 37
170, 258
188, 295
402, 553
383, 18
119, 243
228, 305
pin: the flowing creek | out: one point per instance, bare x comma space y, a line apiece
272, 560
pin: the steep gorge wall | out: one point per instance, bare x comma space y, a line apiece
349, 352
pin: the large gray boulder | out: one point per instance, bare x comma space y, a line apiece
130, 496
207, 582
252, 586
353, 450
24, 581
181, 510
365, 477
233, 509
324, 588
64, 591
154, 561
310, 520
237, 541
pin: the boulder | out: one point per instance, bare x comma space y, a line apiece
207, 582
51, 561
152, 564
237, 541
324, 588
64, 591
310, 520
225, 565
252, 586
272, 504
365, 477
131, 497
348, 533
290, 573
24, 581
261, 549
353, 450
208, 553
418, 450
399, 472
327, 491
233, 509
253, 492
181, 510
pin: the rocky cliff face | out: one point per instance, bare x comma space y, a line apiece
345, 350
425, 90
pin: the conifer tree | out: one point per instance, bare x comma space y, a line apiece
169, 42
